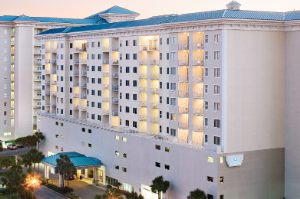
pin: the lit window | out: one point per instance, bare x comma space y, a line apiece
117, 137
210, 159
117, 153
221, 160
124, 139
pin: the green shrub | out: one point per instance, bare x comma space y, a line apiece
63, 190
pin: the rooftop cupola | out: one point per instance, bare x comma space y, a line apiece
116, 14
233, 5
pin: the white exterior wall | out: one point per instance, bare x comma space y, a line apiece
183, 175
253, 90
6, 128
23, 79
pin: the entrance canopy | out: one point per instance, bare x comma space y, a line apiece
78, 160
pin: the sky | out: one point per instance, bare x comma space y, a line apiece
146, 8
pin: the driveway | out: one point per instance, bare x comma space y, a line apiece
7, 152
45, 193
84, 190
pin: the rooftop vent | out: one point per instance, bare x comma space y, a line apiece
233, 5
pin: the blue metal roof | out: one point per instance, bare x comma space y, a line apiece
217, 14
10, 18
117, 10
77, 159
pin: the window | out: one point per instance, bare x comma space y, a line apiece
206, 138
210, 159
167, 167
124, 169
217, 72
117, 153
206, 121
206, 39
167, 149
206, 55
124, 139
173, 132
157, 147
221, 196
205, 88
221, 179
206, 72
117, 167
216, 38
216, 106
206, 105
173, 101
210, 179
209, 196
117, 137
127, 56
89, 131
135, 56
124, 155
216, 55
90, 145
217, 140
83, 129
216, 89
173, 86
157, 164
217, 123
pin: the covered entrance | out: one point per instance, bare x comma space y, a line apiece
89, 169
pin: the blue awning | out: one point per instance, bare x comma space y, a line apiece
79, 160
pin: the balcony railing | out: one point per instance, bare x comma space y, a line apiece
154, 119
142, 89
143, 75
142, 103
198, 128
105, 99
105, 61
183, 110
115, 88
83, 85
198, 112
198, 45
154, 90
198, 62
115, 62
183, 93
115, 100
115, 75
154, 105
142, 117
183, 46
198, 95
115, 113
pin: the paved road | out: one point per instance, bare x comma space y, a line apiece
84, 190
45, 193
7, 152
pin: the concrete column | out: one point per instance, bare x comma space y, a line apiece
60, 181
104, 175
86, 173
95, 175
46, 171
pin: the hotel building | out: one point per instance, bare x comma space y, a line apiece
206, 100
20, 70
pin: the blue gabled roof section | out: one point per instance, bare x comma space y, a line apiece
77, 159
117, 10
11, 18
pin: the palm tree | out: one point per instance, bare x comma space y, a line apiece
65, 168
39, 137
31, 158
197, 194
159, 186
13, 179
134, 195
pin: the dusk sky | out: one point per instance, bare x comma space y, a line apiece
147, 8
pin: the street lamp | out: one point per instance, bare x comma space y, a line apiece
32, 182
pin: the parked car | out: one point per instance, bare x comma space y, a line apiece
12, 147
19, 146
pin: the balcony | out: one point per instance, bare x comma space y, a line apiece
154, 105
115, 48
105, 74
75, 73
198, 128
115, 100
83, 73
115, 88
154, 62
53, 93
154, 76
183, 46
154, 90
143, 75
115, 113
81, 48
47, 82
142, 103
83, 108
198, 46
75, 83
183, 62
198, 62
105, 99
183, 78
154, 119
105, 86
105, 61
197, 79
53, 82
105, 111
198, 112
142, 117
143, 62
75, 95
198, 95
183, 125
183, 110
83, 96
76, 61
183, 93
115, 62
75, 107
115, 75
83, 85
142, 89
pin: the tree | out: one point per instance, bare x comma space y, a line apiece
112, 193
159, 186
28, 141
13, 179
134, 195
32, 157
65, 168
39, 137
6, 162
197, 194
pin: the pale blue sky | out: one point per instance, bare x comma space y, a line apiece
147, 8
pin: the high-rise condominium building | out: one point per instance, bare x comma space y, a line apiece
20, 69
203, 99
